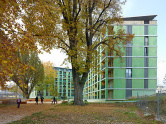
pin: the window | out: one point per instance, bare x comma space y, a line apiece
146, 51
146, 83
146, 30
128, 73
129, 29
146, 62
146, 41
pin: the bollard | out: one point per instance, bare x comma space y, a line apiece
158, 105
137, 100
141, 103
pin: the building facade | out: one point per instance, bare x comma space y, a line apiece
135, 72
63, 82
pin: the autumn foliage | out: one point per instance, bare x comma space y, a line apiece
12, 39
48, 82
28, 78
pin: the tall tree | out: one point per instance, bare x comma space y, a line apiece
12, 37
49, 80
31, 76
74, 26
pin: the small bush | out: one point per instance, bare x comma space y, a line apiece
85, 102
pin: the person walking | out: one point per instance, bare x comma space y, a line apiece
18, 102
54, 100
42, 98
36, 99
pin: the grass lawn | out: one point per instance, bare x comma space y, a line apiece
91, 114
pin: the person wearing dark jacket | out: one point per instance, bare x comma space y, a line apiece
42, 98
36, 99
54, 100
18, 102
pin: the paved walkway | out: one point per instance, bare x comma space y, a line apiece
12, 113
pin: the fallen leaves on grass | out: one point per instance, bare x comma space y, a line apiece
92, 113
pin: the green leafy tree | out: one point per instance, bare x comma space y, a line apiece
74, 26
32, 76
49, 80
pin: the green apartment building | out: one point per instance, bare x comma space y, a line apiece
63, 81
135, 72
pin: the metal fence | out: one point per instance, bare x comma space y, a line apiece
154, 104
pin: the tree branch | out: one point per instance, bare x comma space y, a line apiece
78, 10
104, 42
98, 20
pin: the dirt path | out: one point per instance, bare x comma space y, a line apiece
12, 113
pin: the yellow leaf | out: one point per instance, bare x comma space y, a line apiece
10, 75
3, 61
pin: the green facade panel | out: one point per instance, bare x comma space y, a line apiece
119, 72
119, 94
119, 62
152, 62
152, 30
152, 41
152, 73
152, 51
116, 28
137, 62
138, 30
138, 51
138, 41
138, 73
119, 83
143, 92
152, 83
138, 83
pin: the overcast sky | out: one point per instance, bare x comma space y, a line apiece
133, 8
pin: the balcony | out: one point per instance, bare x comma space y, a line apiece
110, 75
103, 76
102, 86
102, 96
103, 56
103, 67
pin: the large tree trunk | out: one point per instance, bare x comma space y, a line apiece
26, 94
78, 88
78, 91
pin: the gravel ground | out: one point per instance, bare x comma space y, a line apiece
12, 113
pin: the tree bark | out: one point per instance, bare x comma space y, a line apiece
78, 88
78, 91
26, 94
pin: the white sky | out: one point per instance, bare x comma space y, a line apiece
56, 57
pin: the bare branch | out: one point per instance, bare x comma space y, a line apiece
78, 10
98, 20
